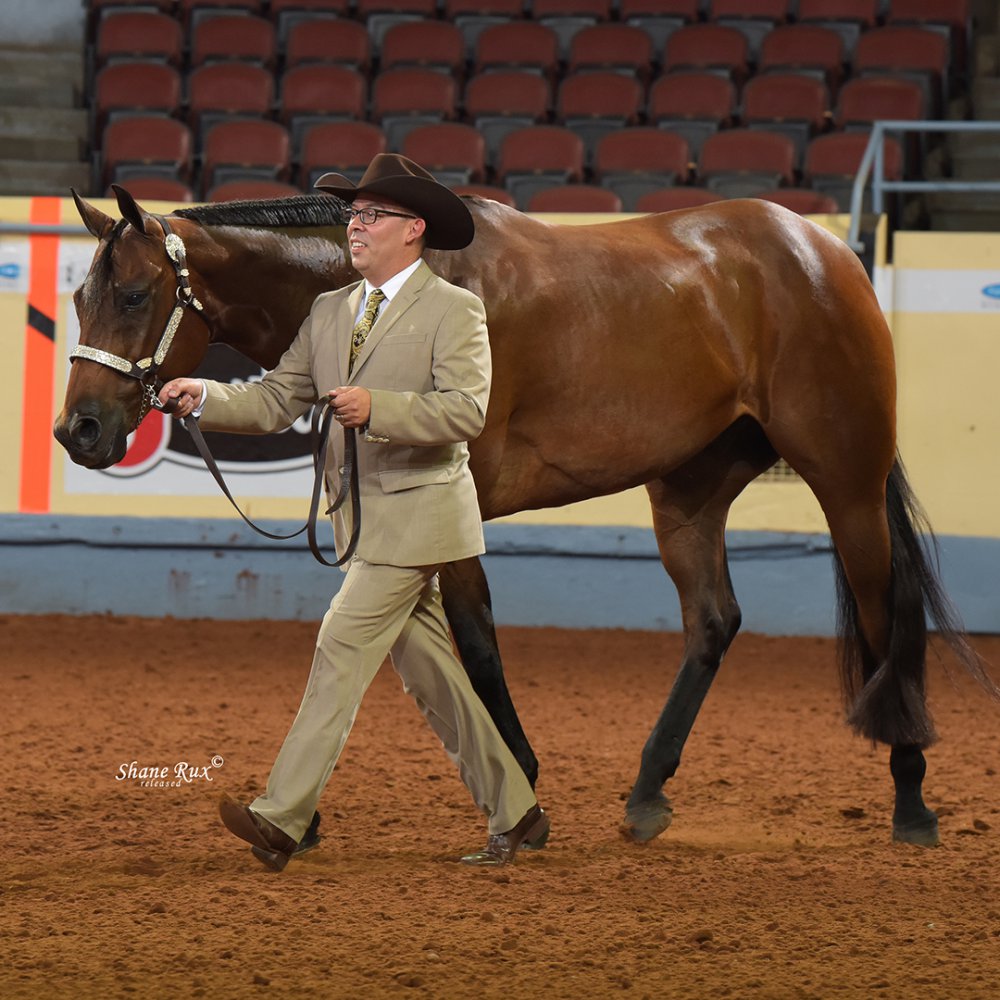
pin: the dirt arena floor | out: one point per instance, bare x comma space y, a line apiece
778, 878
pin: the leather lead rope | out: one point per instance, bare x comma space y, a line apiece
321, 419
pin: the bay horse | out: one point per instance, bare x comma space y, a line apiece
685, 351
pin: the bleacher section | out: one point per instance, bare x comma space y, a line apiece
714, 98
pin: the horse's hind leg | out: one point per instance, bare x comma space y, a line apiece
466, 598
690, 506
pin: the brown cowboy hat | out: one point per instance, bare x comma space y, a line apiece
449, 222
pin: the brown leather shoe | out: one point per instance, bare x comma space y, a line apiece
271, 846
501, 847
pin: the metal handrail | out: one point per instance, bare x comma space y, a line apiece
874, 155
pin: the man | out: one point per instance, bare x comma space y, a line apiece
404, 358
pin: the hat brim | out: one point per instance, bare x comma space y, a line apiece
449, 222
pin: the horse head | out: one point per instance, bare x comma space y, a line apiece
130, 307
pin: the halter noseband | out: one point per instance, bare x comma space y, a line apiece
145, 370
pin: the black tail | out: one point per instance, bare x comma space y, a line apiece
886, 701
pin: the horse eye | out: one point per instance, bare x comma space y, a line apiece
134, 299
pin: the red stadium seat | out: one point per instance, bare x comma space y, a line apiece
313, 94
498, 103
809, 49
151, 146
567, 17
346, 147
752, 18
618, 47
381, 15
332, 42
245, 150
473, 17
155, 189
138, 88
952, 18
227, 37
740, 162
798, 106
672, 198
910, 53
453, 152
832, 161
193, 11
223, 90
518, 45
710, 48
659, 19
402, 99
131, 36
424, 45
286, 14
635, 161
863, 100
537, 157
575, 198
694, 105
849, 18
252, 190
804, 201
595, 104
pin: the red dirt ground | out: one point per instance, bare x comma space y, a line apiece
777, 879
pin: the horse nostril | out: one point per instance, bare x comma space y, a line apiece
85, 431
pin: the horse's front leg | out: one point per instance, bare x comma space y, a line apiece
466, 597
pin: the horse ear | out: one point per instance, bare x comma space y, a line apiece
98, 224
131, 212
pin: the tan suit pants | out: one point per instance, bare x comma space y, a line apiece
397, 611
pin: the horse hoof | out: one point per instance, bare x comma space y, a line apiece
921, 832
646, 821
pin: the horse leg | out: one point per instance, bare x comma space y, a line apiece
690, 506
466, 597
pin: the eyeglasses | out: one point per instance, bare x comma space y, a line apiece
369, 216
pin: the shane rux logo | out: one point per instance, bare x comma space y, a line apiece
168, 776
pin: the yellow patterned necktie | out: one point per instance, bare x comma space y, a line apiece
367, 321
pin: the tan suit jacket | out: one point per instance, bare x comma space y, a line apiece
426, 363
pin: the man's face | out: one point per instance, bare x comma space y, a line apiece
384, 247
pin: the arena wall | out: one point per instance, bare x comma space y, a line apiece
154, 537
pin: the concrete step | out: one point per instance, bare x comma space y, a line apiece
42, 147
20, 122
28, 177
41, 77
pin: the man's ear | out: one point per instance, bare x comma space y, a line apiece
417, 230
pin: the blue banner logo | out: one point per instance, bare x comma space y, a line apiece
992, 291
10, 270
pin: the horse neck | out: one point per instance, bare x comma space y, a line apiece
259, 284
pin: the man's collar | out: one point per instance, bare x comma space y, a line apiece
395, 283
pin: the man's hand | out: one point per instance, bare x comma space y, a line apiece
181, 395
352, 405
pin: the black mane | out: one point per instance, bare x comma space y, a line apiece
273, 213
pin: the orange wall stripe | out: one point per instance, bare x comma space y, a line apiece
39, 362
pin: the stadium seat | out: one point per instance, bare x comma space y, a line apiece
221, 91
344, 146
313, 94
863, 100
538, 157
252, 190
620, 48
575, 198
797, 106
518, 45
286, 14
804, 201
424, 45
134, 88
809, 49
485, 191
229, 37
331, 41
595, 104
453, 152
752, 18
740, 162
832, 161
910, 53
708, 48
659, 19
245, 150
952, 18
193, 11
146, 146
138, 35
567, 17
381, 15
847, 17
634, 161
473, 17
498, 103
672, 198
402, 99
155, 189
694, 105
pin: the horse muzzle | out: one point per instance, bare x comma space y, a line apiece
91, 441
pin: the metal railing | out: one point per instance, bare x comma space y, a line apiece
874, 157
